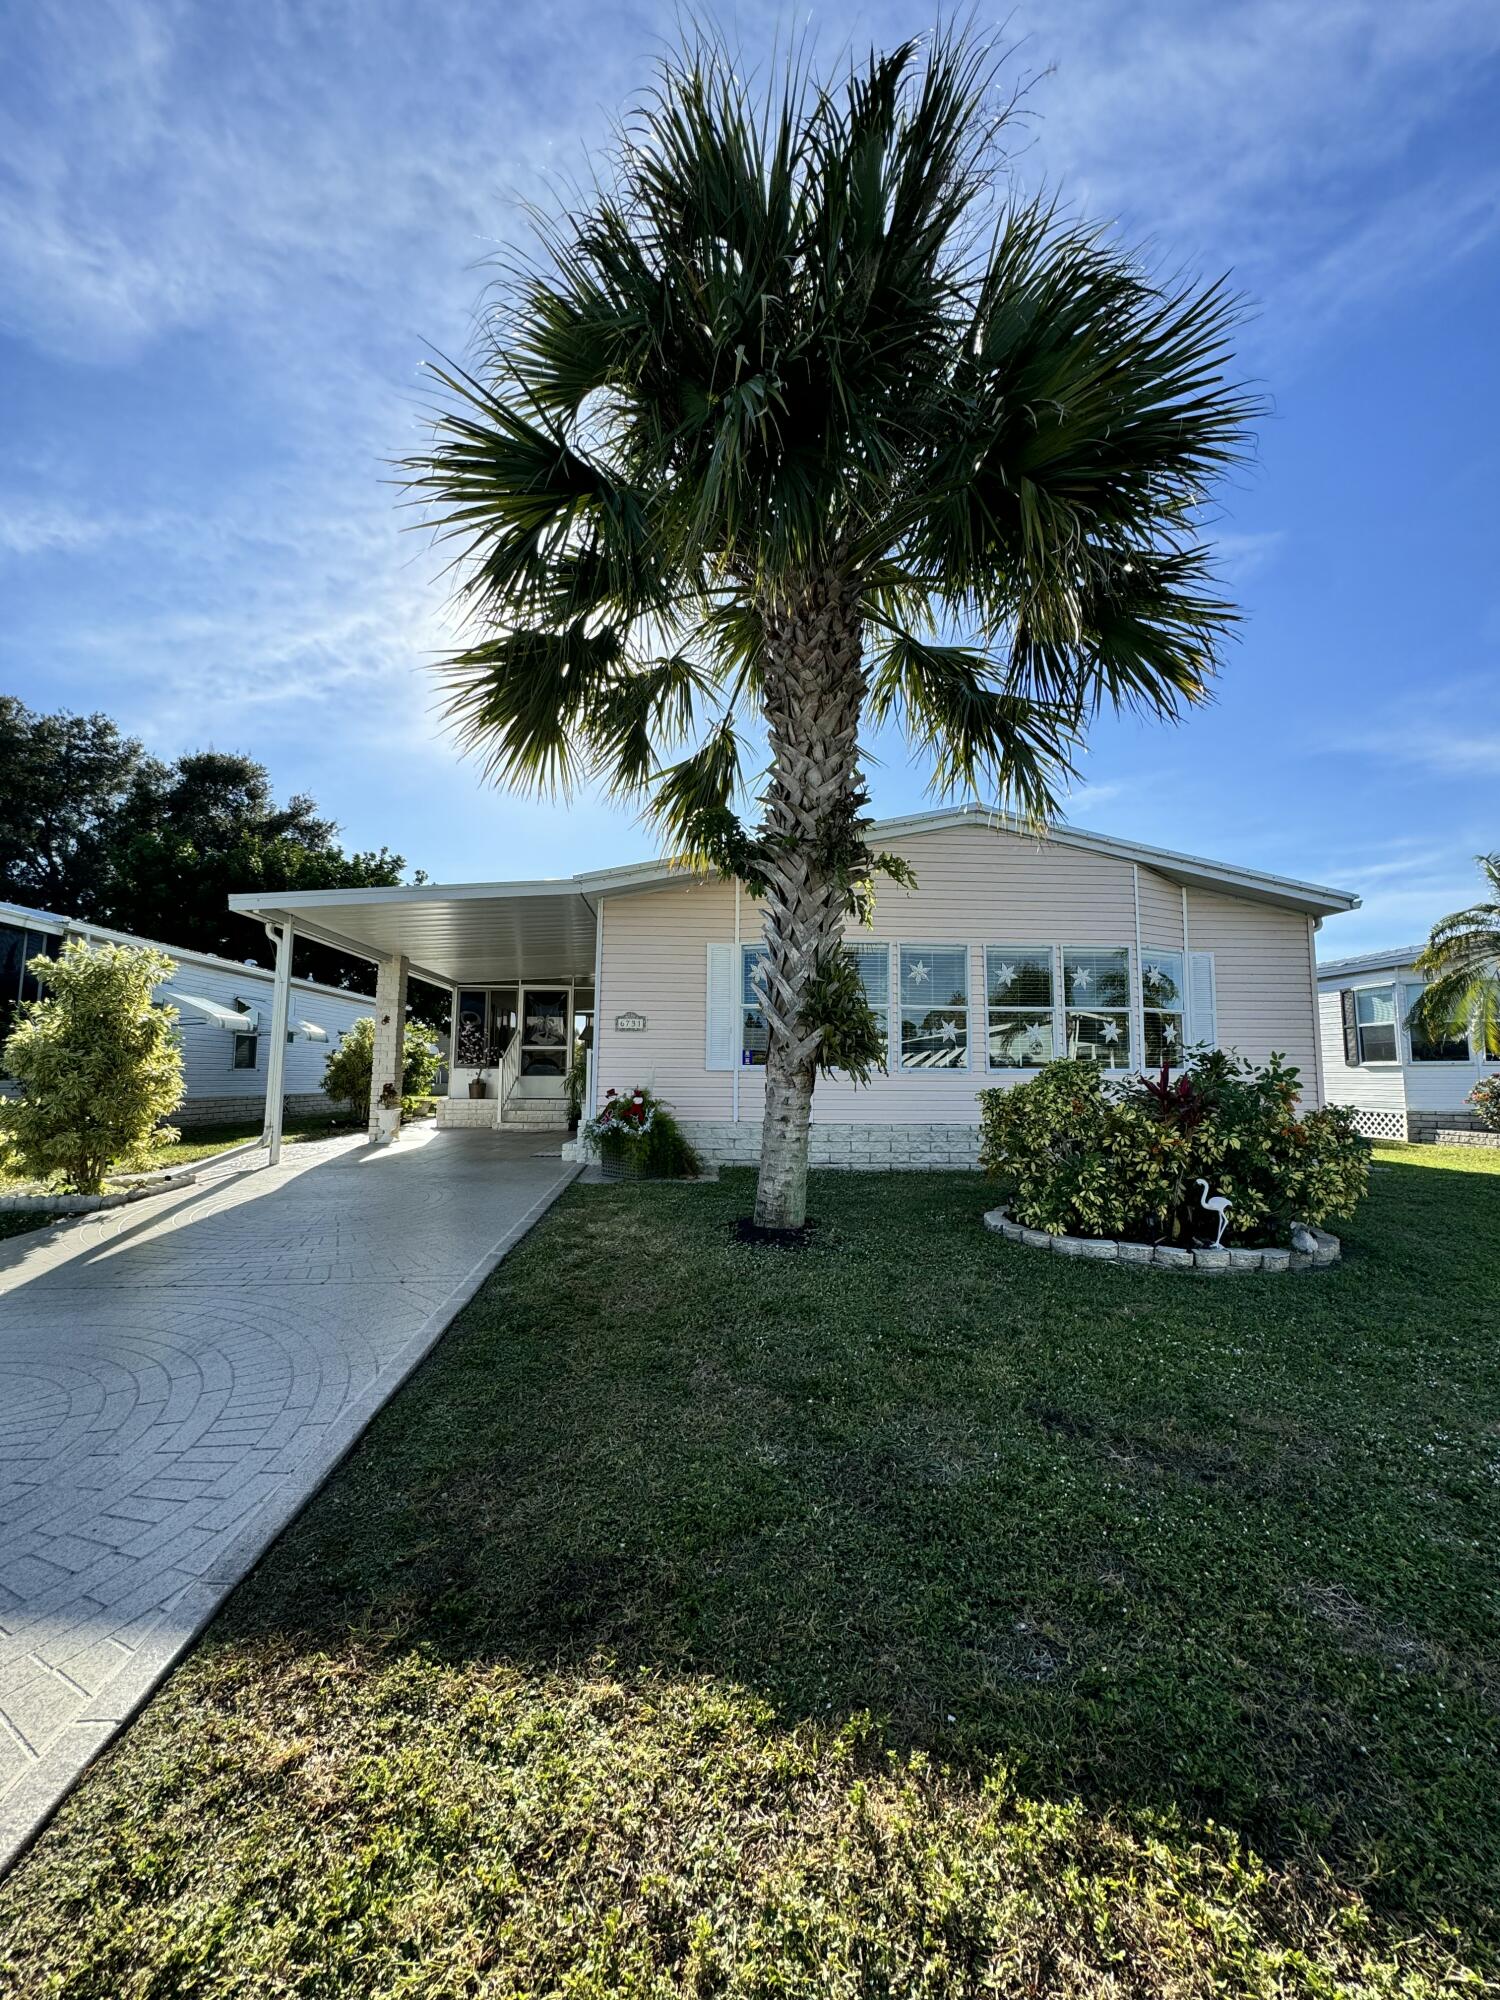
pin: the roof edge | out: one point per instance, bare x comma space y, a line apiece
1313, 896
184, 954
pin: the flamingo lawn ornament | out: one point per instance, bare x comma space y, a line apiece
1215, 1204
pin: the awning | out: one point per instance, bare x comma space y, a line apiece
228, 1018
455, 934
308, 1030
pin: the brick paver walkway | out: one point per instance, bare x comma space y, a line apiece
177, 1376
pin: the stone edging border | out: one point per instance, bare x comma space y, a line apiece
1310, 1249
86, 1204
1467, 1137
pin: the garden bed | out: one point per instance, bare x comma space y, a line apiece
1310, 1249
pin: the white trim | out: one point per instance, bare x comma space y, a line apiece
593, 1090
281, 997
1312, 960
739, 959
1138, 983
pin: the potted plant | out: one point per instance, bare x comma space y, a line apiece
477, 1086
387, 1114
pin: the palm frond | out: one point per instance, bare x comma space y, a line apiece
979, 737
522, 702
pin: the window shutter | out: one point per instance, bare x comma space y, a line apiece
1203, 1010
1351, 1027
721, 1032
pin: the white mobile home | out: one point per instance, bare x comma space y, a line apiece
1402, 1083
1010, 950
224, 1017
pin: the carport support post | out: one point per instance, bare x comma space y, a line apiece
281, 1007
390, 1043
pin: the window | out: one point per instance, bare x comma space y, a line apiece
1018, 988
1375, 1021
1096, 993
874, 965
469, 1048
246, 1049
934, 1006
1424, 1046
1163, 1008
754, 1034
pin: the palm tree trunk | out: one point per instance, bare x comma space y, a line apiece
814, 691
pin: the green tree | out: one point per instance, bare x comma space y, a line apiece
1461, 962
64, 780
350, 1068
788, 426
93, 827
188, 838
99, 1066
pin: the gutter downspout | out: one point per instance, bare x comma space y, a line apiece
281, 999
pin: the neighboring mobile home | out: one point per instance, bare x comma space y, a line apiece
224, 1016
1403, 1083
1009, 950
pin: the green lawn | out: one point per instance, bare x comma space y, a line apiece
200, 1142
915, 1615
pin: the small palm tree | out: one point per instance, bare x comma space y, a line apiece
790, 426
1461, 962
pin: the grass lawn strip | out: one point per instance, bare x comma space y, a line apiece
911, 1616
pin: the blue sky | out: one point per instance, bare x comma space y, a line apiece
228, 230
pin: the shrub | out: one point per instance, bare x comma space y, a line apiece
636, 1126
1077, 1159
1485, 1098
350, 1067
99, 1064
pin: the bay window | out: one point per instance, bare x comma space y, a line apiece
934, 991
1018, 992
1096, 997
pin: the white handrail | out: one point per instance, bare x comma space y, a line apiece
510, 1069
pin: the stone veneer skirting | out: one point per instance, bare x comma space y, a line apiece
1310, 1249
1436, 1128
856, 1148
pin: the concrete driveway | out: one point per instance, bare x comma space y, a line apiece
178, 1376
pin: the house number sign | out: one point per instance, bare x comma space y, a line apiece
630, 1024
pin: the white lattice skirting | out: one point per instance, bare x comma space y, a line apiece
1381, 1124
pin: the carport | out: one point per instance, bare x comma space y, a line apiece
534, 944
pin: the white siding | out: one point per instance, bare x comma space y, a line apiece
1403, 1086
208, 1051
975, 886
1263, 978
1364, 1086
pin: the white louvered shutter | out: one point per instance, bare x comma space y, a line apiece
721, 1031
1203, 1005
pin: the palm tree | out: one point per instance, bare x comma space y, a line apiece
1461, 962
792, 424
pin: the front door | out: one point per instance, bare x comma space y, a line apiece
546, 1024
